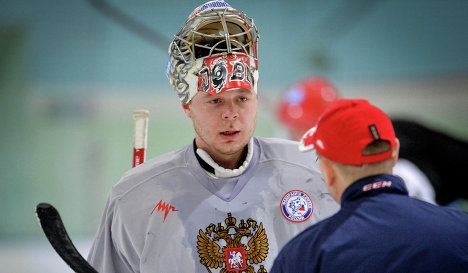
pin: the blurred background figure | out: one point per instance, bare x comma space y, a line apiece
303, 102
431, 162
441, 157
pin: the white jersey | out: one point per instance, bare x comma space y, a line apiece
168, 215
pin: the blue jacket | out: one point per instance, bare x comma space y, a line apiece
379, 228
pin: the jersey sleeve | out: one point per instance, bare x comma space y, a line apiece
104, 255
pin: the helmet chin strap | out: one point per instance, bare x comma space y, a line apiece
220, 172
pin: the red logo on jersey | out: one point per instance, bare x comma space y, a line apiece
377, 185
163, 206
235, 259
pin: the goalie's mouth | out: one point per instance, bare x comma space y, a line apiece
229, 133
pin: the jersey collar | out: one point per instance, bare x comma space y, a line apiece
373, 185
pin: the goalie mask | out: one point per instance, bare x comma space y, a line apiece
214, 51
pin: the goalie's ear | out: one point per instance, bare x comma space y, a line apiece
186, 108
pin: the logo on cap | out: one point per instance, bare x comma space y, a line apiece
296, 206
374, 132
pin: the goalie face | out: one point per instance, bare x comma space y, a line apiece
214, 51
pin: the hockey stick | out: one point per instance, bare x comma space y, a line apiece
55, 231
140, 130
51, 222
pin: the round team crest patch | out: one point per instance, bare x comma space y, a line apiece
296, 206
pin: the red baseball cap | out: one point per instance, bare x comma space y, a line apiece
346, 128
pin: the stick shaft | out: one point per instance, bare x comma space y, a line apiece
140, 136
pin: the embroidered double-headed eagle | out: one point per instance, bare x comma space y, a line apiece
233, 248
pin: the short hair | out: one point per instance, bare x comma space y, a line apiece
376, 147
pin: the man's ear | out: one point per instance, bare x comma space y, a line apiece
330, 176
328, 172
186, 108
396, 152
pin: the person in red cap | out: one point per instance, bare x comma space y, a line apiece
378, 228
427, 173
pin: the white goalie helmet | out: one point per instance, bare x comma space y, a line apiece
215, 50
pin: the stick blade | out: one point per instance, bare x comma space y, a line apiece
53, 228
